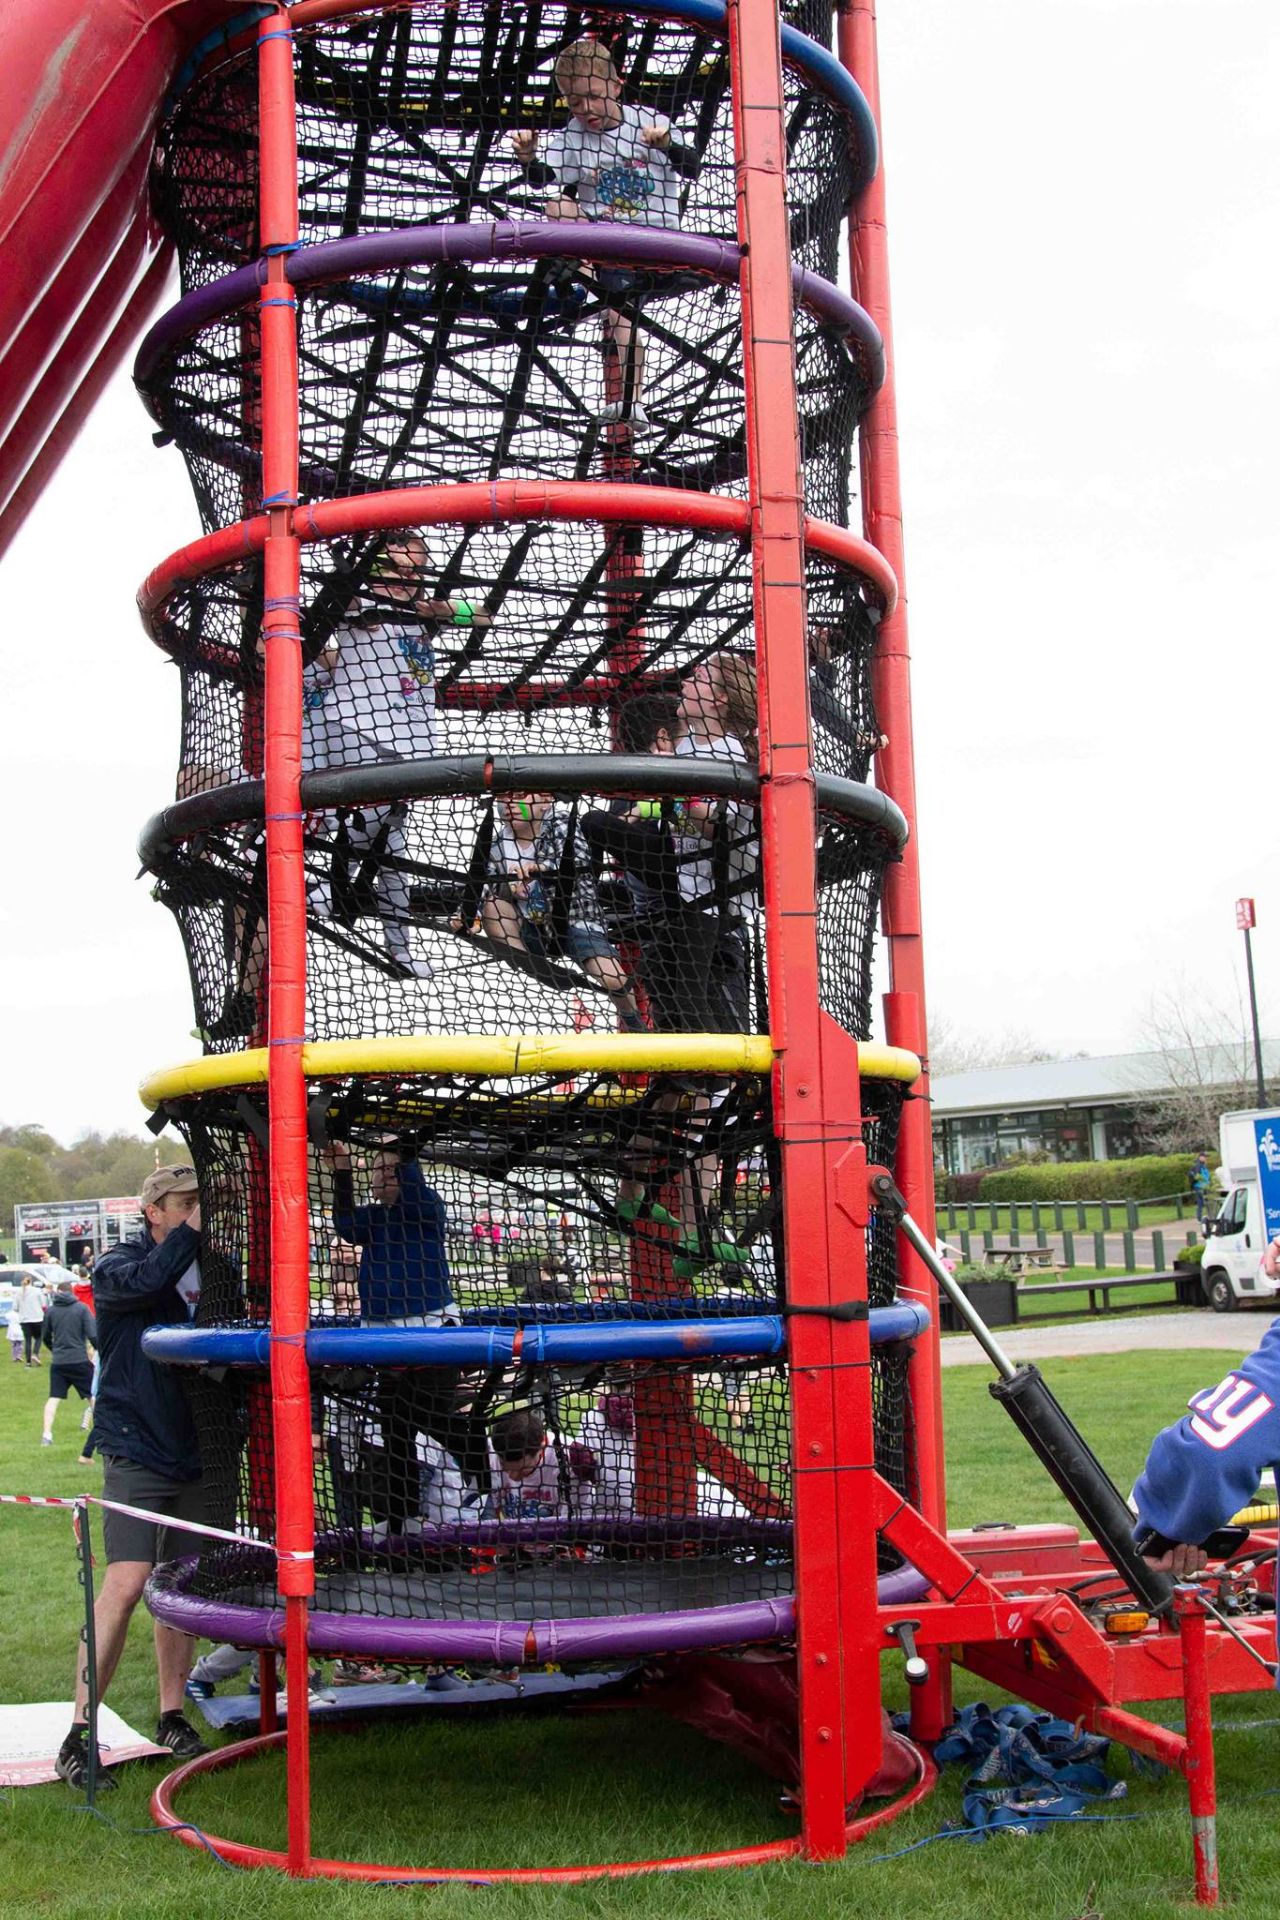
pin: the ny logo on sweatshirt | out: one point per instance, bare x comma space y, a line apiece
1224, 1412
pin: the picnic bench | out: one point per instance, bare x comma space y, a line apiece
1015, 1302
1180, 1282
1015, 1260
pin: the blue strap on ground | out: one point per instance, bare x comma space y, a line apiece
1028, 1770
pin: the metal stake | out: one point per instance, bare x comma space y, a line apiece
89, 1641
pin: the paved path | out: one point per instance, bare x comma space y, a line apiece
1173, 1236
1236, 1333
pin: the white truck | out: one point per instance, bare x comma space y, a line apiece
1231, 1271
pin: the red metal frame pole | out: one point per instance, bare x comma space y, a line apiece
904, 1004
830, 1375
1198, 1762
286, 909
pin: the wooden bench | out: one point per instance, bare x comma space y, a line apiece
1022, 1259
1107, 1287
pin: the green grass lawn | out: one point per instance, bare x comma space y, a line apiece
507, 1791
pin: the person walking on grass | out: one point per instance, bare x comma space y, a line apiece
150, 1455
31, 1304
70, 1334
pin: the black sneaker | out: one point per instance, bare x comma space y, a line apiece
72, 1764
181, 1738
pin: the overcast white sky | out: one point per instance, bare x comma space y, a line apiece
1083, 207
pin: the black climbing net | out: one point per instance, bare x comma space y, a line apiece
530, 774
430, 376
554, 905
436, 343
655, 1483
405, 115
531, 635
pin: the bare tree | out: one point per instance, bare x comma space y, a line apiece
951, 1051
1207, 1063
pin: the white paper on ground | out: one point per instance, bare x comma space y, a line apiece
31, 1735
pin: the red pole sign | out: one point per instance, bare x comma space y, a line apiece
1246, 917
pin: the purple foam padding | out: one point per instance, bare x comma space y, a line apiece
612, 243
502, 1642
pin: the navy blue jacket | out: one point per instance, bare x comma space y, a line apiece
142, 1413
404, 1266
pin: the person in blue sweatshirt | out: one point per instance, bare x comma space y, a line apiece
404, 1282
1207, 1466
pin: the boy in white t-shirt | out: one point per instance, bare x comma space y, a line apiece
533, 1478
370, 697
543, 856
611, 162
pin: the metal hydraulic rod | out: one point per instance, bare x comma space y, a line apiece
1047, 1428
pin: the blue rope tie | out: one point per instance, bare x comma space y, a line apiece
1029, 1771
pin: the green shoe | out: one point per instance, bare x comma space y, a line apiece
631, 1210
691, 1258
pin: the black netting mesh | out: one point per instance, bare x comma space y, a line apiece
476, 863
467, 357
538, 1202
526, 638
405, 116
421, 917
456, 372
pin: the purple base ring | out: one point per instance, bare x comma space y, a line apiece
503, 1643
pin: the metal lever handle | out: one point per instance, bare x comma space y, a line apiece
914, 1666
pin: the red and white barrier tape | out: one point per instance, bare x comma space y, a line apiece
161, 1519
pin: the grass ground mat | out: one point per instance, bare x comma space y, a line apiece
508, 1792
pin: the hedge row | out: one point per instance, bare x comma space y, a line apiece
1147, 1178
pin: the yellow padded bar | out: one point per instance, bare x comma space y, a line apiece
507, 1056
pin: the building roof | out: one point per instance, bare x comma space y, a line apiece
1110, 1080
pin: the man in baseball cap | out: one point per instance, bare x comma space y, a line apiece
151, 1459
168, 1180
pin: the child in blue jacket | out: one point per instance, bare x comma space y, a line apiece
1208, 1466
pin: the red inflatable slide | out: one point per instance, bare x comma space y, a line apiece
81, 85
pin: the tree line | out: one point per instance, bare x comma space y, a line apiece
34, 1166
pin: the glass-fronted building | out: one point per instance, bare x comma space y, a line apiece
1086, 1109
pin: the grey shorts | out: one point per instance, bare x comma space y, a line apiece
126, 1538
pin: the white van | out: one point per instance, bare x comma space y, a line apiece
1231, 1271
